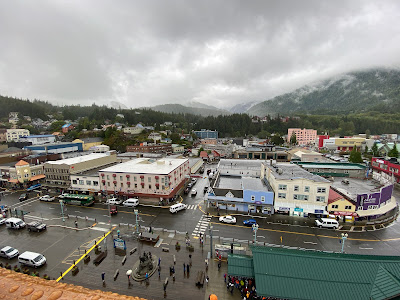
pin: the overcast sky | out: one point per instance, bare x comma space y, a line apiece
221, 53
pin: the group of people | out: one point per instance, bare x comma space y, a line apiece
246, 286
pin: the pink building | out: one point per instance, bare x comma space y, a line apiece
303, 136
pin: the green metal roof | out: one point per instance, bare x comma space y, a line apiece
240, 265
296, 274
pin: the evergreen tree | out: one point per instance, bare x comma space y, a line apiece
366, 149
375, 150
394, 152
355, 156
293, 139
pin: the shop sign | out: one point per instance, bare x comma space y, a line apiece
284, 208
345, 213
298, 209
258, 202
319, 211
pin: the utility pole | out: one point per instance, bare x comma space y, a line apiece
210, 228
62, 210
344, 238
137, 221
255, 228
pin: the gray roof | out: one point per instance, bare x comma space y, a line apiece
254, 164
223, 192
92, 140
95, 171
291, 171
241, 183
355, 187
254, 184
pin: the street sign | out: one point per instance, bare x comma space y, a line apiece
120, 244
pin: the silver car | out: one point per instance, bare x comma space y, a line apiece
8, 252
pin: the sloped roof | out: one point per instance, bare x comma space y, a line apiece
21, 163
240, 265
203, 154
296, 274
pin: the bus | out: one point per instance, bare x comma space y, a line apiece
77, 199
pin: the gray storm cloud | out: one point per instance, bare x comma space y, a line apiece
144, 53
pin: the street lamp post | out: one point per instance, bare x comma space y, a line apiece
137, 221
255, 228
62, 210
344, 238
129, 273
210, 228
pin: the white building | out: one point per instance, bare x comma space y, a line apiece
145, 177
14, 135
38, 139
242, 167
155, 136
133, 130
177, 148
296, 190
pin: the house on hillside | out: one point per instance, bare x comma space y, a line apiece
67, 127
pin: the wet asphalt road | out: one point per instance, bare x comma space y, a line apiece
58, 243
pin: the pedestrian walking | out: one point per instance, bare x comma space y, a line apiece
184, 268
187, 268
118, 232
76, 224
173, 276
103, 275
207, 279
159, 261
190, 259
159, 271
225, 277
147, 277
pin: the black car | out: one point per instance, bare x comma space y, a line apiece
36, 226
23, 197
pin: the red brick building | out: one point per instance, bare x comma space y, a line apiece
152, 148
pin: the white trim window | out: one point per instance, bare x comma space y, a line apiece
306, 189
321, 190
281, 195
262, 198
296, 188
283, 187
253, 198
320, 199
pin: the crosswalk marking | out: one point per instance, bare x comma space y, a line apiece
36, 218
201, 226
192, 206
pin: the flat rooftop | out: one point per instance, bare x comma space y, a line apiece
240, 164
146, 166
95, 171
356, 186
77, 160
292, 171
52, 144
337, 166
241, 183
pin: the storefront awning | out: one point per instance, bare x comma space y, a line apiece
13, 180
380, 211
37, 177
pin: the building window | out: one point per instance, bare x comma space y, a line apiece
300, 197
262, 198
306, 189
95, 183
122, 184
120, 178
108, 177
74, 182
135, 185
296, 188
282, 195
108, 183
283, 187
81, 182
347, 207
88, 182
149, 186
335, 206
134, 178
321, 190
320, 199
149, 179
253, 198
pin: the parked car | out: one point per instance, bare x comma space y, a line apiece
187, 190
114, 201
47, 198
190, 185
205, 190
8, 252
193, 193
23, 197
2, 221
194, 180
228, 219
327, 223
36, 226
249, 222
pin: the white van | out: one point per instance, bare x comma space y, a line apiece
114, 201
15, 223
131, 202
177, 207
31, 259
327, 223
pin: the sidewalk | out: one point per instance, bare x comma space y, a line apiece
217, 285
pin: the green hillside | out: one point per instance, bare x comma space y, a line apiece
180, 109
355, 92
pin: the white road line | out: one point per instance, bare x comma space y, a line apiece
99, 229
35, 217
312, 243
366, 248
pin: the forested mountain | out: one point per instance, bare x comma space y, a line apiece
197, 110
355, 92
